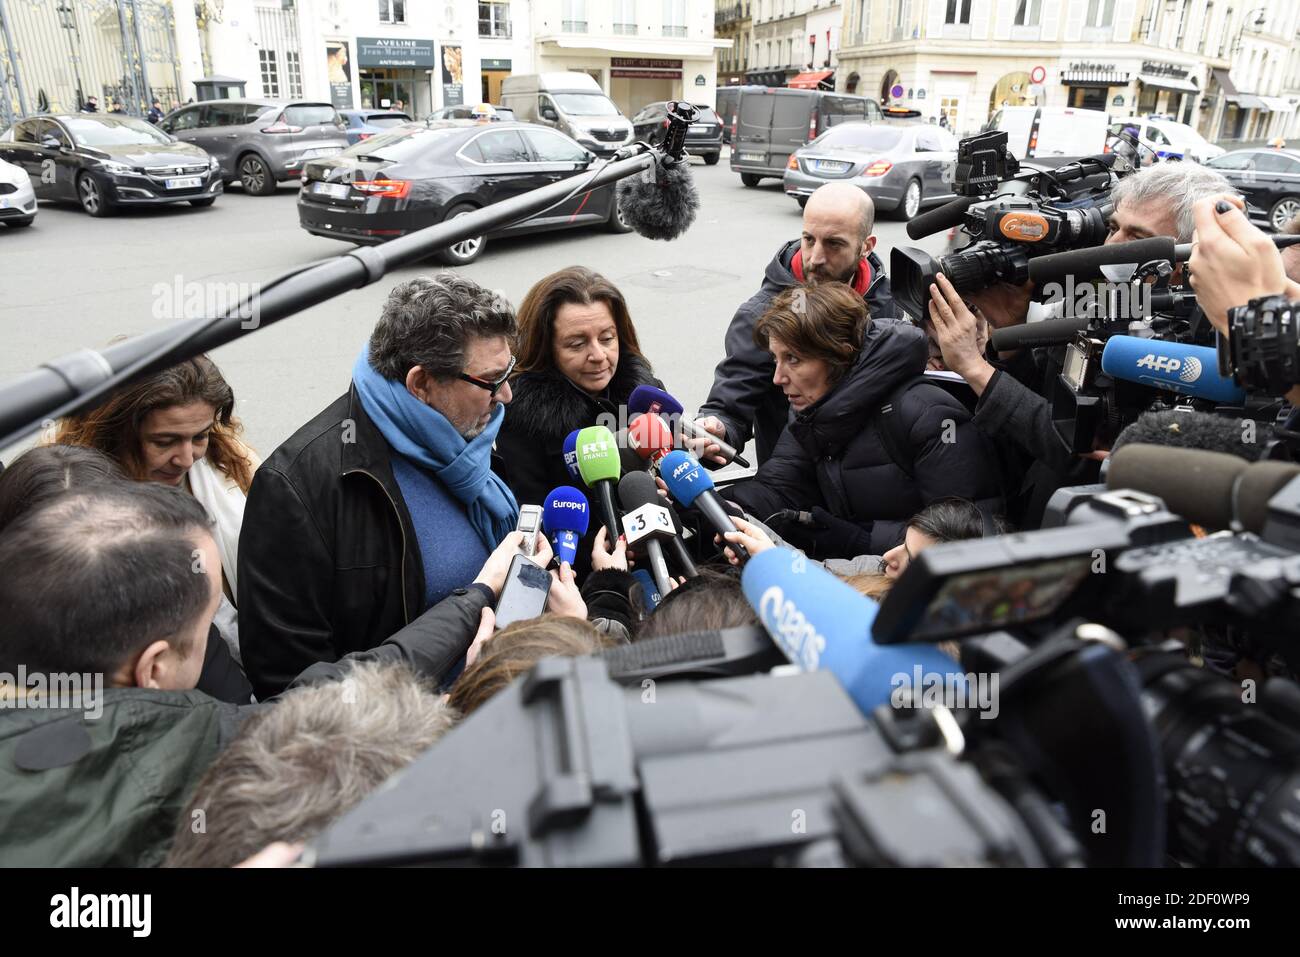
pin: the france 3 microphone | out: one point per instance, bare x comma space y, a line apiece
648, 399
822, 624
1172, 366
599, 466
691, 485
564, 520
646, 521
571, 455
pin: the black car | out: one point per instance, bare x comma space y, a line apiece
1268, 178
417, 175
704, 138
107, 161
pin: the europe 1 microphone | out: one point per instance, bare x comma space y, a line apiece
565, 520
691, 485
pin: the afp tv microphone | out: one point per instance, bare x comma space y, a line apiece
691, 485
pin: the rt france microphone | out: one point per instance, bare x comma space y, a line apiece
691, 485
822, 624
1171, 366
599, 465
565, 519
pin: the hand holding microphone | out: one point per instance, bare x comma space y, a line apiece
648, 399
750, 537
603, 558
691, 485
702, 445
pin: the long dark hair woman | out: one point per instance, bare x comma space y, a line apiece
578, 358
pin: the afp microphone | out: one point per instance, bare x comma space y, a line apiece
822, 624
648, 399
598, 463
691, 485
1172, 366
565, 519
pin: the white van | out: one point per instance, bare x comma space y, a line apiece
572, 103
1051, 130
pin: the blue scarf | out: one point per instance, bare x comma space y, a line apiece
424, 436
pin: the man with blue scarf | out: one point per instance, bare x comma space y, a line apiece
386, 502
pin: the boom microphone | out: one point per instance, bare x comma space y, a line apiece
944, 217
691, 485
565, 520
659, 203
1172, 366
648, 399
598, 464
1188, 429
822, 624
1032, 335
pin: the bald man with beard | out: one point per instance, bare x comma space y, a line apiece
836, 245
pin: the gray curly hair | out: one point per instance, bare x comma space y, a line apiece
430, 321
1181, 184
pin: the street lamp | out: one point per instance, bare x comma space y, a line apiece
68, 21
1258, 24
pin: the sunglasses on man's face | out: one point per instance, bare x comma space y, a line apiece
492, 387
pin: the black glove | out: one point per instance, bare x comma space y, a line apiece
834, 537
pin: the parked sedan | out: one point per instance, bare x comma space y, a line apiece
107, 161
465, 112
901, 168
363, 124
17, 198
704, 138
1268, 178
414, 176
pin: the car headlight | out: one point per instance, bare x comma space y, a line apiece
213, 163
117, 169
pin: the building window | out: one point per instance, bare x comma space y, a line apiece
789, 52
625, 17
294, 70
744, 49
1027, 12
494, 20
270, 79
574, 16
1101, 13
1223, 37
392, 11
674, 18
958, 12
1205, 27
864, 20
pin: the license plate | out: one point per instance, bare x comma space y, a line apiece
830, 166
752, 157
699, 128
322, 151
336, 190
184, 182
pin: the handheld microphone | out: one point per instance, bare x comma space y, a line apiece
659, 203
571, 455
648, 399
691, 485
565, 520
650, 594
598, 463
1188, 429
1032, 335
628, 459
645, 520
650, 439
822, 624
684, 561
1172, 366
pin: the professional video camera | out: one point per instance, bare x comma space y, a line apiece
1011, 216
1129, 561
1261, 352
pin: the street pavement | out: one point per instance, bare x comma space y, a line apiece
70, 282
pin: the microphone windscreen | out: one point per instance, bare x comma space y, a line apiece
1171, 366
597, 455
822, 624
1261, 482
566, 510
648, 435
1049, 332
571, 455
1196, 485
659, 203
1185, 429
647, 398
636, 489
685, 478
1085, 264
945, 217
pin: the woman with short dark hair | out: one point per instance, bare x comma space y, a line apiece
871, 442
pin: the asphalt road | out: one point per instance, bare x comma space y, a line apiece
70, 282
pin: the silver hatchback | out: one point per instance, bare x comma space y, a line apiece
901, 168
260, 142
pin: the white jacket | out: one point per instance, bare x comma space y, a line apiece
225, 501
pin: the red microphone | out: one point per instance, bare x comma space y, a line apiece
650, 437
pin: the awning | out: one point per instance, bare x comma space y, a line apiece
1094, 78
1248, 101
1167, 83
1278, 104
809, 81
1222, 78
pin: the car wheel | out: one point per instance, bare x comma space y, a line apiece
203, 202
616, 222
92, 197
712, 159
1283, 211
750, 179
467, 250
255, 177
911, 204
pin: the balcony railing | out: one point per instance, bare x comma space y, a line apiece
573, 26
673, 31
625, 29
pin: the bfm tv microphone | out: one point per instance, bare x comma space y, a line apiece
822, 624
565, 519
598, 464
646, 520
1172, 366
691, 485
648, 399
571, 455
